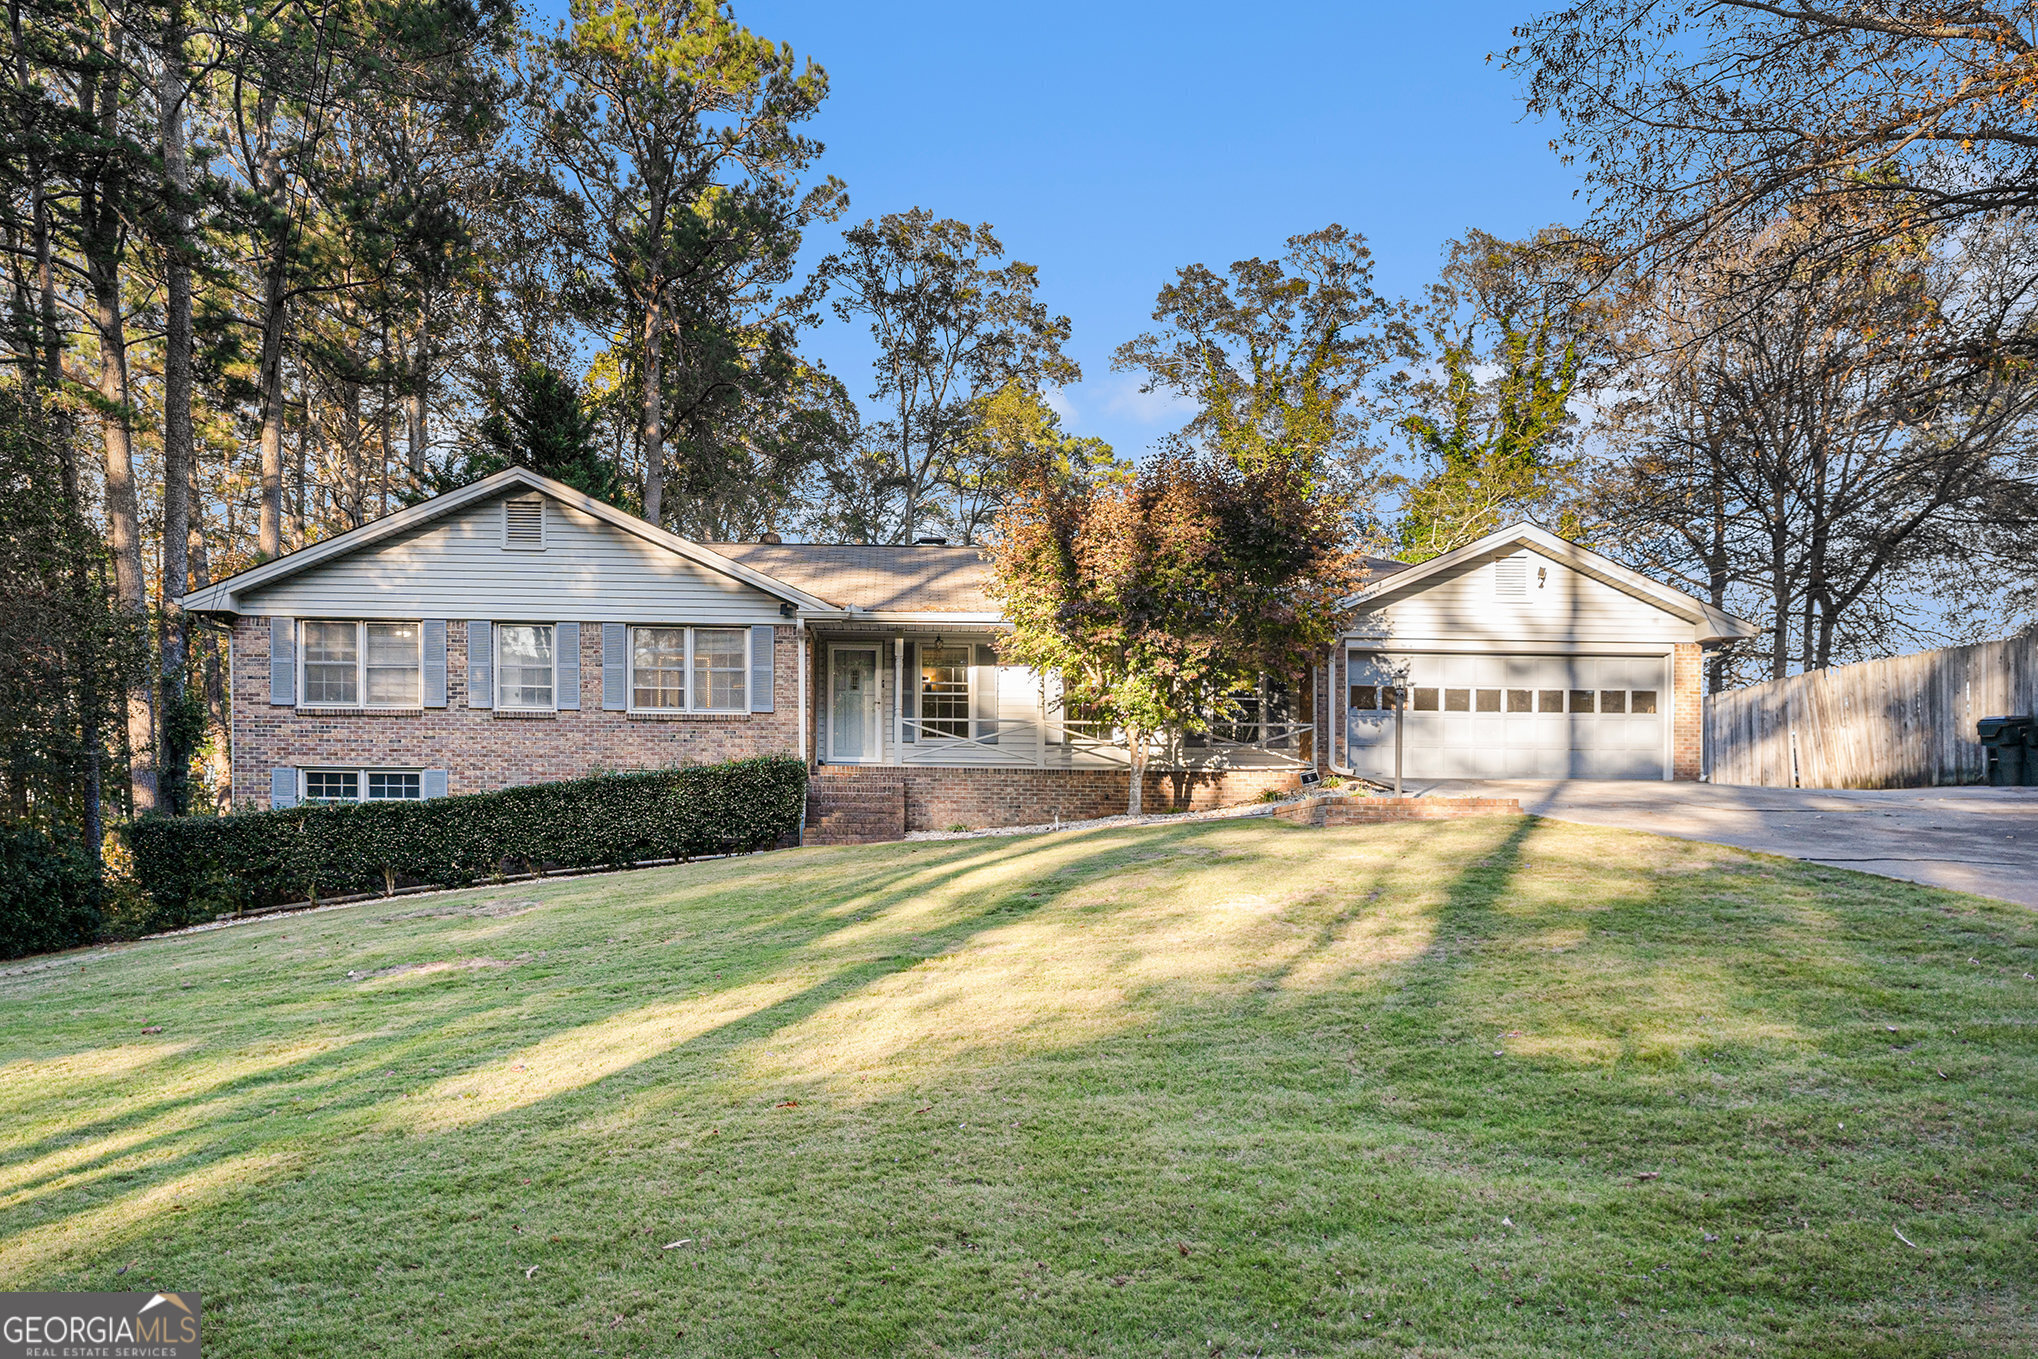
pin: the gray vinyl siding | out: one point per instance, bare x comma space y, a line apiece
456, 567
1567, 607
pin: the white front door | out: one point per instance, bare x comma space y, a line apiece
853, 734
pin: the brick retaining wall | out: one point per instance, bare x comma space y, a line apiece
1336, 810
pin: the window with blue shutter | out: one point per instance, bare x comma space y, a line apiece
983, 692
615, 666
909, 693
566, 646
283, 663
480, 664
435, 663
762, 639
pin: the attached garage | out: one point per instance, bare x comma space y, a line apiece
1521, 716
1524, 656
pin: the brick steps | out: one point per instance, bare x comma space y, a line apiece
855, 807
1334, 810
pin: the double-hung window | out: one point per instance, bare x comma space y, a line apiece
523, 665
360, 664
679, 669
944, 691
721, 658
658, 668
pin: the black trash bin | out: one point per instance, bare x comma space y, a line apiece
2031, 754
2005, 742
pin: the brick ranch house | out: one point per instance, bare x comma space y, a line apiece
516, 631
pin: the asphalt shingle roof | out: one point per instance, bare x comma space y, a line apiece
892, 579
875, 577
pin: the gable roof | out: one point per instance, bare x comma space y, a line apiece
1713, 624
874, 578
224, 596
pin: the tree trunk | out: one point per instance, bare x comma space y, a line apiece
123, 518
269, 527
297, 504
1136, 760
384, 408
172, 733
350, 447
212, 675
654, 415
414, 399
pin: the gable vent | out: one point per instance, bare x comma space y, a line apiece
523, 523
1510, 577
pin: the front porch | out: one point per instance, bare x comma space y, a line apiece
958, 708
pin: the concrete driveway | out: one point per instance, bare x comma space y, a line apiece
1982, 840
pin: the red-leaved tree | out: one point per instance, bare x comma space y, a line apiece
1160, 597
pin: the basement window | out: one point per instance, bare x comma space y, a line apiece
345, 785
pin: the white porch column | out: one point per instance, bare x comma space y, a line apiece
899, 698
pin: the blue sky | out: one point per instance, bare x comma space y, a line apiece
1111, 143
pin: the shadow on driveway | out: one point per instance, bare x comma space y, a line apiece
1981, 840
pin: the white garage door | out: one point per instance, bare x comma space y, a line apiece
1510, 716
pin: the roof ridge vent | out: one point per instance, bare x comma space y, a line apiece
523, 523
930, 542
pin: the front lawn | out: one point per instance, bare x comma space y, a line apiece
1496, 1087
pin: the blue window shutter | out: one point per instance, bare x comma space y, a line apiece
909, 692
283, 662
615, 667
983, 693
762, 639
480, 664
282, 788
433, 784
435, 662
566, 664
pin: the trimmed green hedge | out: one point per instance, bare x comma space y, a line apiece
196, 868
49, 893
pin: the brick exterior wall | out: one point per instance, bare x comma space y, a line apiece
1687, 739
480, 750
936, 799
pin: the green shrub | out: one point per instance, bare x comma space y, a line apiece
49, 893
195, 868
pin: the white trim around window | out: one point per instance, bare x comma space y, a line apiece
678, 668
327, 785
531, 672
371, 664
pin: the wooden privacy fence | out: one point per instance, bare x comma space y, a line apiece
1907, 722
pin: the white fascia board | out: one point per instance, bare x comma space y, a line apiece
224, 596
1712, 624
912, 616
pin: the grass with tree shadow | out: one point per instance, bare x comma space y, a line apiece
1494, 1087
